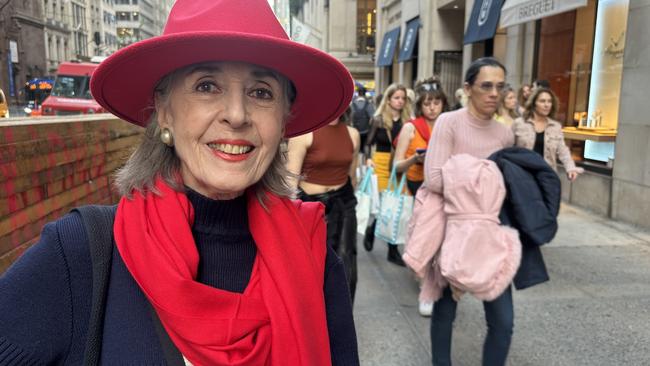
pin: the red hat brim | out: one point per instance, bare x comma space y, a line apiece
124, 82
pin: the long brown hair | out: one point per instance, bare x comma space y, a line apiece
502, 103
520, 95
530, 104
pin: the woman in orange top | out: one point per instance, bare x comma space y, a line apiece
413, 139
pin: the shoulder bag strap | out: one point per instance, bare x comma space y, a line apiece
98, 222
173, 356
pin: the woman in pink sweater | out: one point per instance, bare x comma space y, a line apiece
472, 131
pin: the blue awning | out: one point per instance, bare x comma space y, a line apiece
408, 43
483, 21
388, 48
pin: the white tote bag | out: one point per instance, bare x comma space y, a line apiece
364, 201
374, 194
395, 211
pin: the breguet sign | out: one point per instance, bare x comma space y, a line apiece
535, 9
522, 11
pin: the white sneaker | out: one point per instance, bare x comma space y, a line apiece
425, 308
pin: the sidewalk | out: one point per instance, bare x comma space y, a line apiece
594, 311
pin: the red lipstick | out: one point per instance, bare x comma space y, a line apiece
232, 157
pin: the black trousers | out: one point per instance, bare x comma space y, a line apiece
341, 218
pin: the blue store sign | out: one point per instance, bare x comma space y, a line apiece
483, 21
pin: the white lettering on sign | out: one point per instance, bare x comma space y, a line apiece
484, 13
409, 36
13, 48
536, 9
389, 44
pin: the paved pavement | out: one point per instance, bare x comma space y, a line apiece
594, 311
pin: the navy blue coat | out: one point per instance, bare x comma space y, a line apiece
531, 206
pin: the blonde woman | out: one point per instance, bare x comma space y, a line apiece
385, 126
522, 96
507, 112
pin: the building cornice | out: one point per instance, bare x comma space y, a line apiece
51, 24
27, 19
389, 3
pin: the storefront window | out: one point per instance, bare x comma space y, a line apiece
366, 26
607, 71
581, 54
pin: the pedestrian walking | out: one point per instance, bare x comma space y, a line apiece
362, 111
385, 126
414, 137
325, 161
460, 99
537, 130
507, 111
213, 263
522, 97
471, 131
412, 145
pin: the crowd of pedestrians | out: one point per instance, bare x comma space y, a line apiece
492, 130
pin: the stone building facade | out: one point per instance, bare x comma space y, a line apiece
140, 19
22, 50
343, 28
426, 36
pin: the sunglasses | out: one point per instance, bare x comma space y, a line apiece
428, 87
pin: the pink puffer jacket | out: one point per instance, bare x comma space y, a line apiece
477, 254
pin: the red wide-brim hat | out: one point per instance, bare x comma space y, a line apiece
223, 30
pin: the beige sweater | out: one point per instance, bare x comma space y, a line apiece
554, 146
459, 132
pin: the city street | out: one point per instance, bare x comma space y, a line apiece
594, 311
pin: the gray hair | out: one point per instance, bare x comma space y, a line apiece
152, 158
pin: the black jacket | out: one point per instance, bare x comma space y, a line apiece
531, 206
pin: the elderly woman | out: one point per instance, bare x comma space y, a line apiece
214, 264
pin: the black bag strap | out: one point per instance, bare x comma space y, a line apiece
98, 222
173, 356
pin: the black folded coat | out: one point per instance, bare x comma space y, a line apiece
531, 206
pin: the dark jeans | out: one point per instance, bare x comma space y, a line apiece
499, 315
341, 218
413, 186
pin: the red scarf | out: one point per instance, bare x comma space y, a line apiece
278, 320
423, 128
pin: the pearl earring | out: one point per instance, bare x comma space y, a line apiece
166, 137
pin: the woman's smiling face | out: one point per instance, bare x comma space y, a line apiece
227, 120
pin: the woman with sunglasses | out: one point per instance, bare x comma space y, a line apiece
472, 131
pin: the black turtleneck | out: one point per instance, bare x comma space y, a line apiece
224, 241
227, 254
